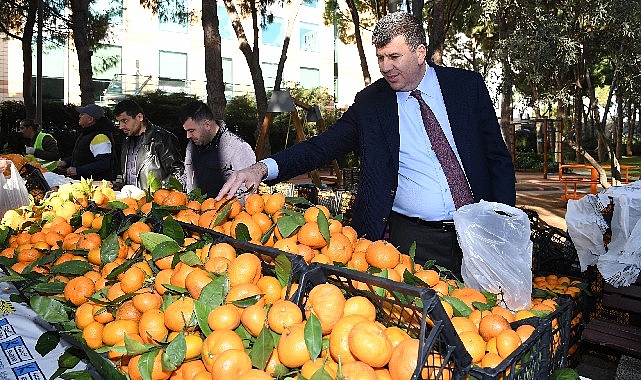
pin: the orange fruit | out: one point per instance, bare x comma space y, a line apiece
339, 338
127, 310
255, 232
339, 248
181, 271
263, 221
196, 280
246, 268
404, 359
292, 349
462, 324
189, 369
162, 277
254, 204
396, 335
507, 314
351, 233
217, 265
382, 254
229, 364
151, 326
429, 276
224, 317
218, 342
311, 367
132, 280
506, 342
327, 302
146, 301
254, 318
311, 214
84, 315
274, 203
283, 314
157, 372
136, 229
242, 291
78, 289
369, 344
194, 343
114, 332
469, 295
491, 325
474, 344
360, 305
491, 360
254, 374
523, 314
178, 315
525, 331
310, 235
92, 334
289, 244
271, 288
358, 370
175, 198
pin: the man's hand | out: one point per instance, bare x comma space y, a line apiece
61, 164
250, 176
71, 171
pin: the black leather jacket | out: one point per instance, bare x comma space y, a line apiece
157, 153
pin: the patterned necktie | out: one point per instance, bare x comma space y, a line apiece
460, 189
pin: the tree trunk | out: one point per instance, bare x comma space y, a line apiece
79, 22
619, 127
506, 89
437, 32
578, 122
283, 55
359, 41
253, 62
27, 60
213, 59
632, 118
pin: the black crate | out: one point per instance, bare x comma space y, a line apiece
406, 306
555, 251
530, 361
561, 329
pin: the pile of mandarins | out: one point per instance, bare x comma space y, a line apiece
207, 311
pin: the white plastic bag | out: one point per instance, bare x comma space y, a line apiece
586, 227
13, 191
497, 251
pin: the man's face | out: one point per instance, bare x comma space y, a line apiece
131, 125
27, 132
85, 120
200, 133
402, 68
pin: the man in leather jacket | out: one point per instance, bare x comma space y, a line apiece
147, 148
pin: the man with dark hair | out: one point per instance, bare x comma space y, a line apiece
213, 151
93, 156
428, 140
147, 148
41, 145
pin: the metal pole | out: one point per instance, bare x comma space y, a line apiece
545, 148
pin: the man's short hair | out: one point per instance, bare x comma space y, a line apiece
128, 106
197, 111
399, 24
30, 123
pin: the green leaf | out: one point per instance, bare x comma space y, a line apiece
117, 205
267, 234
49, 309
323, 225
174, 353
174, 184
175, 289
565, 374
410, 278
490, 298
70, 358
202, 311
283, 269
153, 183
247, 301
72, 267
481, 306
321, 374
171, 228
541, 313
76, 375
109, 249
242, 232
458, 306
102, 364
159, 245
313, 336
47, 342
134, 347
262, 349
55, 287
191, 258
146, 364
288, 224
221, 216
106, 227
213, 294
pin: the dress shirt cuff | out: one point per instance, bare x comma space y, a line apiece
272, 168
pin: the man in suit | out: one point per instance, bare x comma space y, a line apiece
403, 183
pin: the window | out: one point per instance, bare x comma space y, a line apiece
53, 72
273, 32
228, 78
224, 24
309, 37
309, 77
269, 74
310, 3
172, 71
173, 16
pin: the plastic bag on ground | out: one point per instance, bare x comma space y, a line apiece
13, 191
497, 251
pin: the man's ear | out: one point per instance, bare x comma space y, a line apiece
421, 53
140, 116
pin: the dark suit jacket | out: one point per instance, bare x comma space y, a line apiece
370, 126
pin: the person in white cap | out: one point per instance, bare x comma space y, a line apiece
93, 156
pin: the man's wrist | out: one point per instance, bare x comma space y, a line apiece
262, 169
